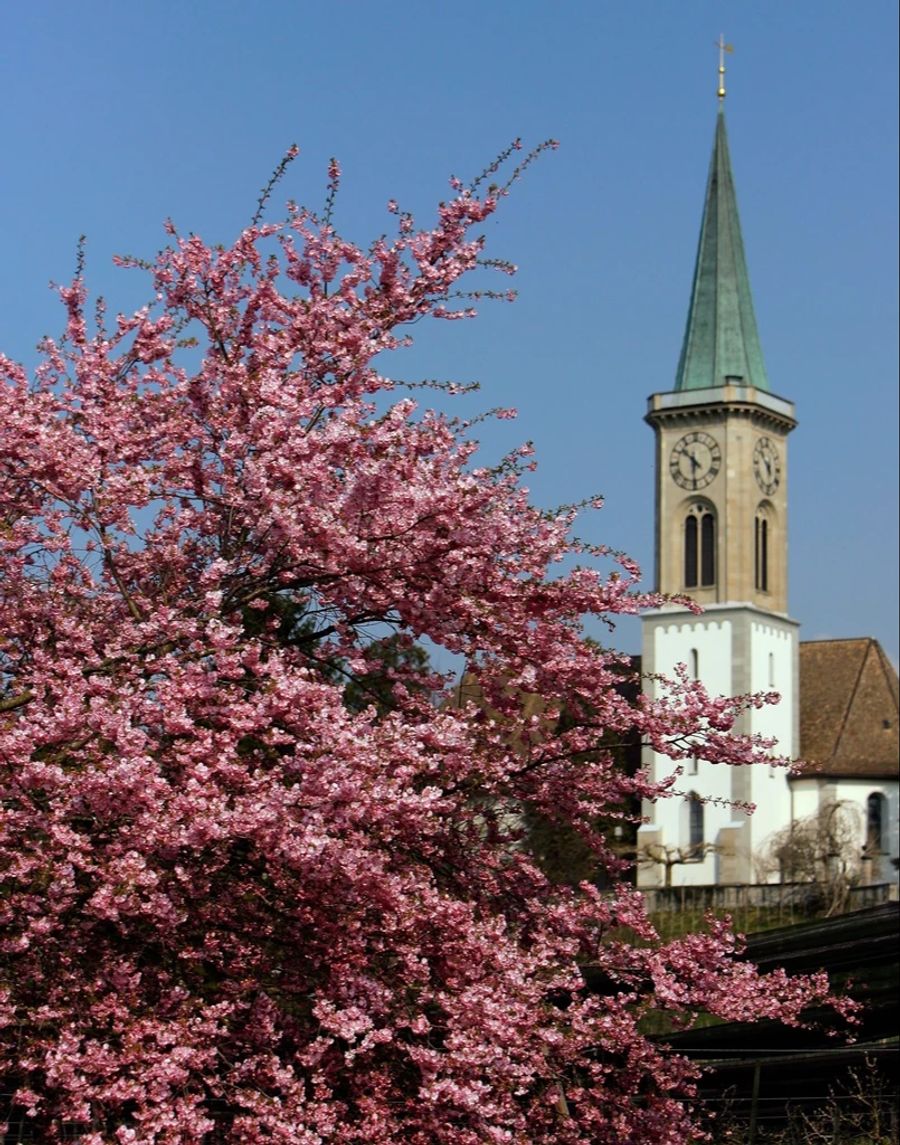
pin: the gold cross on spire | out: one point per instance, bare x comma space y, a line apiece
723, 48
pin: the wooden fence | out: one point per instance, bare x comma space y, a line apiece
800, 898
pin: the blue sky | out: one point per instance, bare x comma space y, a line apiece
115, 116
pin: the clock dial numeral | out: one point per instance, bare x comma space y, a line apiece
695, 460
766, 466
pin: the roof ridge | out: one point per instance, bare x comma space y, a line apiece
887, 670
839, 640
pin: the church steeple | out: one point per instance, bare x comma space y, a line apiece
721, 539
721, 463
721, 343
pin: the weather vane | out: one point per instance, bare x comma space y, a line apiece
723, 48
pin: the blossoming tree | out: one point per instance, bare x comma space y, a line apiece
236, 907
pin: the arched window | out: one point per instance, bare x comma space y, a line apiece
699, 547
695, 664
875, 821
695, 824
761, 551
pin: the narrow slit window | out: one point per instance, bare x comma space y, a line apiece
707, 549
761, 552
690, 551
695, 824
764, 555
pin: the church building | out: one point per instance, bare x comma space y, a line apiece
721, 537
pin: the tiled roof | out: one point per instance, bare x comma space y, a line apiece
848, 710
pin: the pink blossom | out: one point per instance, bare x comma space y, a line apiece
237, 884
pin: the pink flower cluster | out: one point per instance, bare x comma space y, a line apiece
230, 898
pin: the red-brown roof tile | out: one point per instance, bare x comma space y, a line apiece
848, 709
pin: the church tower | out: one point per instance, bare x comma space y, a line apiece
721, 538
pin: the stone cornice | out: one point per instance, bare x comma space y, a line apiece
730, 400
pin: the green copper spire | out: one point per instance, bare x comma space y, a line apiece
720, 341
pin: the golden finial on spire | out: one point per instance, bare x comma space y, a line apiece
723, 48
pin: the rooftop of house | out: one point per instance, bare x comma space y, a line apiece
849, 709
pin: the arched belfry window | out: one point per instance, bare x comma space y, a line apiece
875, 821
762, 536
700, 547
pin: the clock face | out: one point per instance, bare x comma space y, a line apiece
766, 466
695, 460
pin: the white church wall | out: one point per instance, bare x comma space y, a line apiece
704, 646
773, 658
857, 793
732, 649
808, 794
